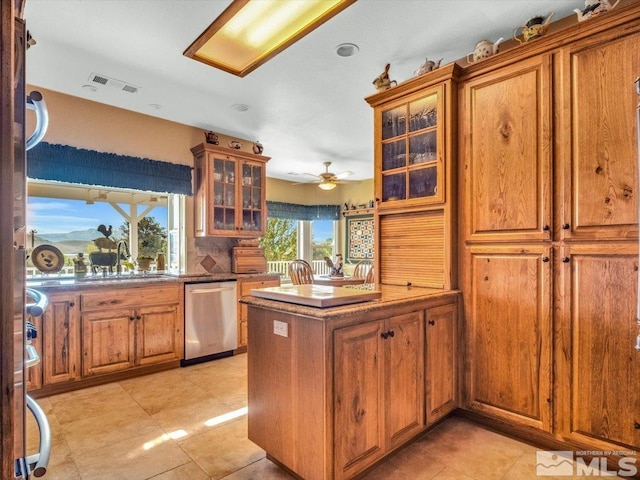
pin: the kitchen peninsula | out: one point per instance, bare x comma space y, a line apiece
332, 391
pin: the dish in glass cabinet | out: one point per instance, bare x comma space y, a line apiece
47, 258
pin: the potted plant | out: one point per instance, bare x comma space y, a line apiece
146, 254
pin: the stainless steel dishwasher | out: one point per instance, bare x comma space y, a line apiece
210, 321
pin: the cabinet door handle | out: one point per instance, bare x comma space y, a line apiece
565, 259
432, 322
545, 259
565, 226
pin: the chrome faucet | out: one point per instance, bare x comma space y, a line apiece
126, 251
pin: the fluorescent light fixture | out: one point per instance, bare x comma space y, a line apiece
250, 32
327, 185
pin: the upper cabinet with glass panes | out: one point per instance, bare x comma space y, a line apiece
413, 141
230, 197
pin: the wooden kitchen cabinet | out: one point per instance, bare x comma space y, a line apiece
507, 160
415, 180
379, 389
597, 137
244, 287
229, 197
598, 365
441, 362
61, 339
509, 343
121, 330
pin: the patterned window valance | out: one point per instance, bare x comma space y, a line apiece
303, 212
68, 164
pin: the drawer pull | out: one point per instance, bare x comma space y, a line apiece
432, 322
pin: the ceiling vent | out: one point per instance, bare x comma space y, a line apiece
113, 83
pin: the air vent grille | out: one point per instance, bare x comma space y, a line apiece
113, 83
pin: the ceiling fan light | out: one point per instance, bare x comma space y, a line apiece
327, 185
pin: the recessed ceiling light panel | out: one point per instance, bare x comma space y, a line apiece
250, 32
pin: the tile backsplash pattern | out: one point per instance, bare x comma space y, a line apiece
209, 254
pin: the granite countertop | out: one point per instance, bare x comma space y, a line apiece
391, 295
54, 282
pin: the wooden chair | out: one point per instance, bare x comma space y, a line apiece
362, 269
300, 272
371, 276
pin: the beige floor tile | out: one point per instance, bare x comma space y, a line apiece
136, 458
158, 393
188, 471
190, 418
66, 470
263, 469
450, 473
408, 464
87, 434
223, 450
91, 403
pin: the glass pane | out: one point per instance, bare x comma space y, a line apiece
218, 194
230, 218
423, 113
423, 182
218, 170
229, 170
423, 148
394, 122
394, 187
257, 200
257, 175
229, 196
257, 221
246, 174
246, 197
394, 155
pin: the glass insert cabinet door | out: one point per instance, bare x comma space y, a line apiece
224, 194
411, 150
252, 197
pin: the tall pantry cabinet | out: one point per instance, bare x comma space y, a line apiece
549, 234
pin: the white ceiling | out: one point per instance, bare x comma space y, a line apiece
306, 104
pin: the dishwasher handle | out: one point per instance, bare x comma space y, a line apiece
210, 290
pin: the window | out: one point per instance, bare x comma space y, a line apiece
72, 218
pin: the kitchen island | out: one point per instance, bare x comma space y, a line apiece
332, 391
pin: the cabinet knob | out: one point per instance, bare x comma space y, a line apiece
432, 322
565, 259
138, 317
132, 318
546, 228
636, 425
72, 304
545, 259
384, 335
391, 333
565, 226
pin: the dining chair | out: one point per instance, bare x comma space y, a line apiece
362, 268
371, 276
300, 272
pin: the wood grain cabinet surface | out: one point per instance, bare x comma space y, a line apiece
142, 327
61, 339
549, 230
332, 397
244, 288
379, 389
229, 198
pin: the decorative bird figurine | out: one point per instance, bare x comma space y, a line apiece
105, 231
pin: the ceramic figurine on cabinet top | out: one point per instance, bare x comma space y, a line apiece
211, 138
534, 28
257, 148
236, 145
382, 82
593, 8
484, 49
427, 66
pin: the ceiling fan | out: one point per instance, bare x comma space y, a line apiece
326, 180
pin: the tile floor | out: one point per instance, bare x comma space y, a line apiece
190, 424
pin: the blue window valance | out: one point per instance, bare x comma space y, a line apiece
68, 164
294, 211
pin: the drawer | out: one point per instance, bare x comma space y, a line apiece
246, 287
131, 297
